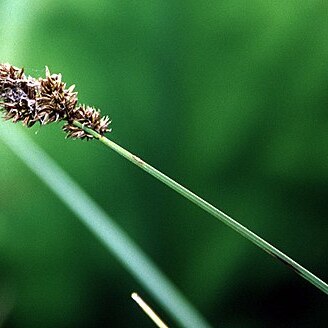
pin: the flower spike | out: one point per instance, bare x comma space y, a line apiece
46, 100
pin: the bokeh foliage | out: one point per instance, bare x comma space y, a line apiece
229, 98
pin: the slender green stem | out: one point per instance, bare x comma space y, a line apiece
212, 210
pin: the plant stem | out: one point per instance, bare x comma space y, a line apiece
150, 312
260, 242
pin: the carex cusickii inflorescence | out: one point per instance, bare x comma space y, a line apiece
46, 100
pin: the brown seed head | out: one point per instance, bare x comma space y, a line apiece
46, 100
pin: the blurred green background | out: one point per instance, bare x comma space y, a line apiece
228, 97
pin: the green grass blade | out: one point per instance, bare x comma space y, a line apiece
104, 228
260, 242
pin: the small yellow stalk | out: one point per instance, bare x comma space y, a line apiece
147, 309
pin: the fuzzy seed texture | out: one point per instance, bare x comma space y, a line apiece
46, 100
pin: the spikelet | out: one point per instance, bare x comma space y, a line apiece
55, 102
89, 117
18, 95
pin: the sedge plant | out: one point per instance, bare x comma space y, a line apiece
46, 100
